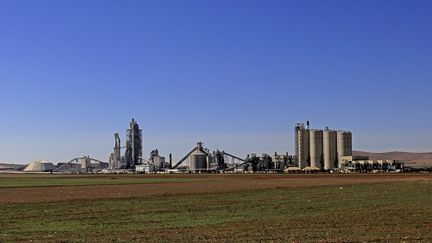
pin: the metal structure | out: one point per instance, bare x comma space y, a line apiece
258, 163
185, 157
81, 164
282, 161
262, 163
302, 145
316, 148
219, 160
344, 145
116, 160
233, 163
329, 149
134, 151
201, 160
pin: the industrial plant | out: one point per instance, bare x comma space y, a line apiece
331, 150
316, 151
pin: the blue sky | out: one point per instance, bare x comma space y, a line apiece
234, 74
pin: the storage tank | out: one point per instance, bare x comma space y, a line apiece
198, 159
302, 145
330, 149
316, 148
344, 144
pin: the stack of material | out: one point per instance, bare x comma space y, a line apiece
39, 166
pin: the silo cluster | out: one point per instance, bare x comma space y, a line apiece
321, 149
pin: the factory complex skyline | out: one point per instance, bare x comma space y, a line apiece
234, 74
316, 150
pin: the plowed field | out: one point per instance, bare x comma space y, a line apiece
218, 208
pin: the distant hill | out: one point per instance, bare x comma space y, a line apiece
410, 158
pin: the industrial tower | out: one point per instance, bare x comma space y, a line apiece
117, 158
302, 144
133, 154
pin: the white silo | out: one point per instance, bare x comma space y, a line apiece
330, 149
344, 144
316, 148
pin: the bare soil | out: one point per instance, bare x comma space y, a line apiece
211, 184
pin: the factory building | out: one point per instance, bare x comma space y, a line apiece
158, 161
84, 164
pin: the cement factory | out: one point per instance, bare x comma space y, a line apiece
316, 151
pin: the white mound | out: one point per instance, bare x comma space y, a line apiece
39, 166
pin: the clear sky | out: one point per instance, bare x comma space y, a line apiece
235, 74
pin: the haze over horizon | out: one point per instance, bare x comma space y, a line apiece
236, 75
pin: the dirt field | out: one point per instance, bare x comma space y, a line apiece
216, 208
192, 184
